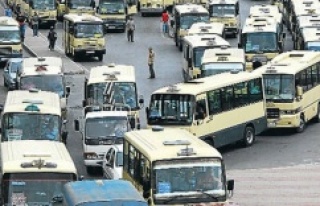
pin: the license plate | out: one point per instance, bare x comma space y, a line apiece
90, 52
271, 124
111, 27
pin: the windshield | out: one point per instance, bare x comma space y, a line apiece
197, 56
214, 68
112, 8
260, 42
171, 109
189, 19
106, 127
279, 87
119, 162
218, 10
314, 46
79, 4
15, 66
35, 188
51, 83
10, 36
114, 203
44, 4
27, 126
123, 93
189, 178
88, 30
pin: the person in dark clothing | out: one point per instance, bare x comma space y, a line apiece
52, 37
256, 64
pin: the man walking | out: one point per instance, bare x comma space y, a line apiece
35, 24
130, 29
165, 21
52, 37
150, 63
22, 25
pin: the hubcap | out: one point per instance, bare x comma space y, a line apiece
301, 123
249, 137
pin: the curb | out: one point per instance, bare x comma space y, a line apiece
32, 53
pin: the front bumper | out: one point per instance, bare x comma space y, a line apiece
89, 52
114, 25
150, 10
285, 121
231, 30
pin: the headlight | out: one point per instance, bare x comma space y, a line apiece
90, 156
290, 112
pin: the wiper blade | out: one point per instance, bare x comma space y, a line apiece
209, 195
172, 198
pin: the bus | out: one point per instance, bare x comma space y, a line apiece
114, 85
100, 130
61, 9
46, 74
80, 7
219, 60
98, 192
226, 12
46, 10
32, 115
193, 49
83, 36
309, 40
172, 167
153, 7
261, 40
212, 108
291, 84
10, 41
113, 14
34, 172
304, 22
183, 17
201, 28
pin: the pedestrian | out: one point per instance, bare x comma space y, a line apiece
8, 12
22, 26
151, 63
35, 23
130, 29
52, 37
165, 21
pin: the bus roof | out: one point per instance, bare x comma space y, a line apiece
82, 18
8, 21
206, 28
153, 142
223, 1
19, 100
290, 62
121, 73
302, 8
308, 21
264, 10
43, 65
311, 34
260, 24
100, 114
16, 153
87, 191
222, 55
190, 8
202, 85
206, 40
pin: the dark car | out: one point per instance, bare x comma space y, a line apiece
10, 72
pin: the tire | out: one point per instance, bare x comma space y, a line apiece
100, 57
302, 125
317, 117
4, 83
176, 39
248, 136
143, 14
75, 57
90, 170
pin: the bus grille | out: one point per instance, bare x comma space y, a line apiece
273, 113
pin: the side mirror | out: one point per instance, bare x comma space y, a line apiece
68, 90
147, 112
239, 45
230, 185
299, 91
64, 137
284, 35
84, 103
76, 125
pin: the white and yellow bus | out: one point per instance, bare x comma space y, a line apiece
309, 40
193, 49
183, 17
172, 167
261, 40
46, 74
201, 28
83, 36
32, 115
212, 108
46, 10
226, 12
34, 172
291, 84
10, 41
219, 60
304, 22
153, 7
113, 85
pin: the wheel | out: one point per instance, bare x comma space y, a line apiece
317, 117
176, 39
143, 14
302, 125
100, 57
90, 170
248, 136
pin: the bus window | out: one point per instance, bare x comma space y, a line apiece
214, 100
201, 109
255, 90
227, 98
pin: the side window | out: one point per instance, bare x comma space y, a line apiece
142, 169
303, 80
201, 109
309, 78
132, 163
255, 90
112, 158
240, 94
314, 73
108, 156
126, 156
214, 101
227, 98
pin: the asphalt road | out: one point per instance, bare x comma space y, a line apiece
272, 149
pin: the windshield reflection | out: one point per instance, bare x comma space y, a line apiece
51, 83
44, 4
10, 36
76, 4
171, 109
187, 21
279, 86
222, 10
210, 69
260, 42
111, 8
26, 126
88, 30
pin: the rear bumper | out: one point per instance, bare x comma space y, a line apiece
89, 52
